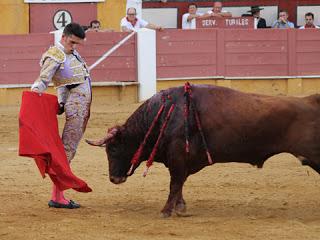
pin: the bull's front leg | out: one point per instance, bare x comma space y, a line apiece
180, 208
175, 199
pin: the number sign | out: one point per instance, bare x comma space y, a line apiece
61, 18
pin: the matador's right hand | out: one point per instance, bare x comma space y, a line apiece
61, 108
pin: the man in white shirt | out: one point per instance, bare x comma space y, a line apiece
217, 11
189, 18
309, 18
131, 23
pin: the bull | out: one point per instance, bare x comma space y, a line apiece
237, 127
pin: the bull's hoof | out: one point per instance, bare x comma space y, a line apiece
165, 214
181, 207
183, 214
181, 210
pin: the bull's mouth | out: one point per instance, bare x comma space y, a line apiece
117, 180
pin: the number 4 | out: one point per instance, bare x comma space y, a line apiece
62, 19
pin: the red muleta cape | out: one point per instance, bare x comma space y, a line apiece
39, 139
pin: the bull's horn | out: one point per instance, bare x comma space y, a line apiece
102, 142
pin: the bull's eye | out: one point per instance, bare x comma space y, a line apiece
113, 150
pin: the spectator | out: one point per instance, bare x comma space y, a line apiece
259, 22
189, 18
132, 23
283, 21
217, 11
95, 26
309, 18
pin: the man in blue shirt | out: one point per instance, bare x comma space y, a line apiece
282, 21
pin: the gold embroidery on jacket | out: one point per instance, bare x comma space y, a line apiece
54, 53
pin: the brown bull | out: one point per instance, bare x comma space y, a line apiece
238, 127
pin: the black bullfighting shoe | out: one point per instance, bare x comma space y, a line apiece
70, 205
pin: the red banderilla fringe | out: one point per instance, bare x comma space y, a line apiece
138, 153
155, 148
201, 133
187, 95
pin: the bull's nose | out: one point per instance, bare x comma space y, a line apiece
117, 180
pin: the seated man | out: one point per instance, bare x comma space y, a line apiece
95, 26
309, 18
283, 21
131, 23
217, 11
189, 18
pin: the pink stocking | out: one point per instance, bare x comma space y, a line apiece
58, 195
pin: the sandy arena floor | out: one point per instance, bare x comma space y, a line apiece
226, 201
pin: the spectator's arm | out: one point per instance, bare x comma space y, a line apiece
191, 16
125, 29
205, 15
106, 30
275, 24
225, 14
153, 26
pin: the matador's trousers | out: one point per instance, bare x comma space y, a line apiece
77, 111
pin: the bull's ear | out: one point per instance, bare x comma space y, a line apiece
112, 133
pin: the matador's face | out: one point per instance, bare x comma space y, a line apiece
70, 42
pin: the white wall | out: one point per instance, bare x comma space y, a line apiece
165, 17
146, 63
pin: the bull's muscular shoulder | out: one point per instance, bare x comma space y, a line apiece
313, 99
54, 53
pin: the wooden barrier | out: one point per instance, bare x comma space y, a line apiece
237, 53
182, 53
255, 53
20, 56
201, 53
119, 66
307, 52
